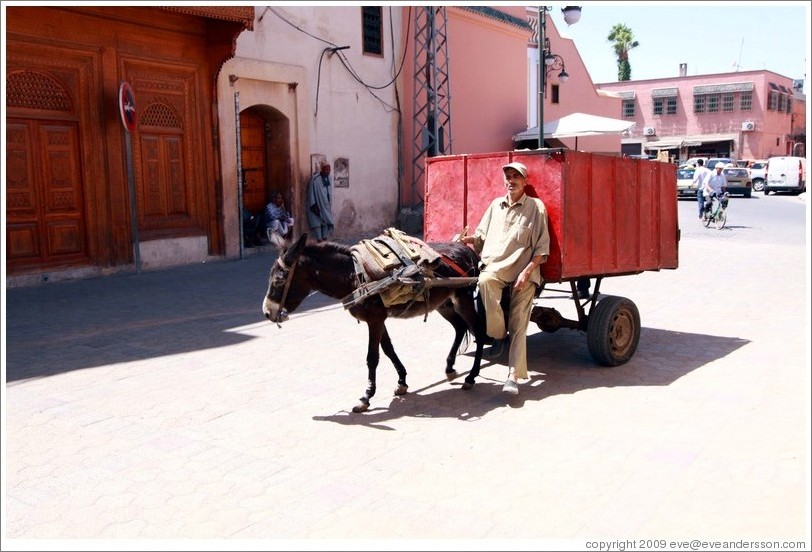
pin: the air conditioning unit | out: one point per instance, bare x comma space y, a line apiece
648, 131
748, 125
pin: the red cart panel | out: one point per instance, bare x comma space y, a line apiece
607, 215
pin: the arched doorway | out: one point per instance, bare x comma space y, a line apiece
266, 165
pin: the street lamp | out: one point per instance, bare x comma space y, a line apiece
551, 62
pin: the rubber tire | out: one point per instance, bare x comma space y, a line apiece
720, 220
758, 185
613, 330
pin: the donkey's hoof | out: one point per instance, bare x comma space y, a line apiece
451, 375
467, 386
362, 407
401, 389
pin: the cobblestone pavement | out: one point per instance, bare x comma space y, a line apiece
163, 406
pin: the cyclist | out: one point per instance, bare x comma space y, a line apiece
715, 186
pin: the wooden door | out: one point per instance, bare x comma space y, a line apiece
45, 219
169, 156
254, 161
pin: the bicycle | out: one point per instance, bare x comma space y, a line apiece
716, 211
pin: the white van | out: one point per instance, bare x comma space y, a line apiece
785, 174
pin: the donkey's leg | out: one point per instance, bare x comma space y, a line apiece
475, 323
460, 328
376, 331
389, 351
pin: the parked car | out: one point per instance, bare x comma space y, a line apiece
713, 161
685, 182
738, 181
758, 174
785, 174
692, 161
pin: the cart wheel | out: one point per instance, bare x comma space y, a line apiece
721, 219
613, 330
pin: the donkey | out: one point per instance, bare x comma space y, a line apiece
328, 267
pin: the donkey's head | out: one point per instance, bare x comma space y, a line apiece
287, 287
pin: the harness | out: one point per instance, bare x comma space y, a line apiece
288, 278
399, 268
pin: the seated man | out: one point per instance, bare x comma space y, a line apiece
512, 239
277, 218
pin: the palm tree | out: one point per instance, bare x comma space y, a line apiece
624, 41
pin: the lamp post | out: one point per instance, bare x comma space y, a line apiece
548, 61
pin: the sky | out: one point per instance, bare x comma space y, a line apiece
710, 37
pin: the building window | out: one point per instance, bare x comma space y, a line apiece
658, 106
699, 104
746, 101
372, 20
727, 101
628, 108
782, 102
713, 103
554, 92
789, 104
773, 102
671, 106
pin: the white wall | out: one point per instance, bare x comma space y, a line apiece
278, 65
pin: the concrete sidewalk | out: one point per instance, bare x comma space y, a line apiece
163, 406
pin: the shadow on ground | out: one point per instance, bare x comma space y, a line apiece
559, 364
65, 326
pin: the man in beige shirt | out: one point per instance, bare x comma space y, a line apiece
512, 240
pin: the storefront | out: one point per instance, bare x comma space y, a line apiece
684, 147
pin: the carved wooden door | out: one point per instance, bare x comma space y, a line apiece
167, 153
45, 219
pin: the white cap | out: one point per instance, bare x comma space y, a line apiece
517, 166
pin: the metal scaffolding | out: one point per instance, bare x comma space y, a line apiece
432, 96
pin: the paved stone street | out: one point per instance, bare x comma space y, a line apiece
162, 405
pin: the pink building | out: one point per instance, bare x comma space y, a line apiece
744, 115
492, 83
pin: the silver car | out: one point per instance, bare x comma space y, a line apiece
758, 174
685, 183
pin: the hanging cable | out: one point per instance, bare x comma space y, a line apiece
318, 77
333, 48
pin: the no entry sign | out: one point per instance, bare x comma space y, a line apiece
126, 105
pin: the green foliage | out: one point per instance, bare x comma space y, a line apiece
622, 40
624, 70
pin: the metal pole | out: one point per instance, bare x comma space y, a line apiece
239, 172
133, 198
542, 25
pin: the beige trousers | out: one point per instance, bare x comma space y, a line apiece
521, 304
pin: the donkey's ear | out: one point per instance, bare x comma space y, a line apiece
295, 250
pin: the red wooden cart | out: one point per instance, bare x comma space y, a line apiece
608, 216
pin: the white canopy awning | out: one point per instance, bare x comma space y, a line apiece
699, 139
663, 144
671, 142
577, 124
